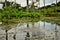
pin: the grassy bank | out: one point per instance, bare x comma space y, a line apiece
12, 15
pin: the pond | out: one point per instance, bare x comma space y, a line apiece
32, 31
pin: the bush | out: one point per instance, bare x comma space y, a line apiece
14, 13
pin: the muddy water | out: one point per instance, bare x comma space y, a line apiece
36, 31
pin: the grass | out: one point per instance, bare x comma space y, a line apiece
10, 13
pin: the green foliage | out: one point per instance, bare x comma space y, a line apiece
29, 14
50, 11
11, 12
15, 13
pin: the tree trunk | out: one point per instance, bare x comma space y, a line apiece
5, 3
27, 9
39, 5
44, 3
56, 7
32, 5
44, 6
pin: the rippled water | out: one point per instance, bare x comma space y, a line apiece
37, 31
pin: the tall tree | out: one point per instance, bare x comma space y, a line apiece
44, 3
15, 3
38, 4
5, 3
27, 6
33, 5
44, 6
56, 7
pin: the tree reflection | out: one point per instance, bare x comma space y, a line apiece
6, 25
27, 34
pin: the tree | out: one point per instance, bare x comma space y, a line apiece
38, 4
44, 6
56, 7
27, 6
32, 5
5, 3
44, 3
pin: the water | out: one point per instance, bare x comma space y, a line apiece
37, 31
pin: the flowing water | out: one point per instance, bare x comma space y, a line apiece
32, 31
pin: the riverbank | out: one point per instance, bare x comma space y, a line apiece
10, 13
55, 20
13, 15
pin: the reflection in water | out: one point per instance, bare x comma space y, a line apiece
32, 31
6, 34
14, 36
27, 35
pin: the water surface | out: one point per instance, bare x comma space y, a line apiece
37, 30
